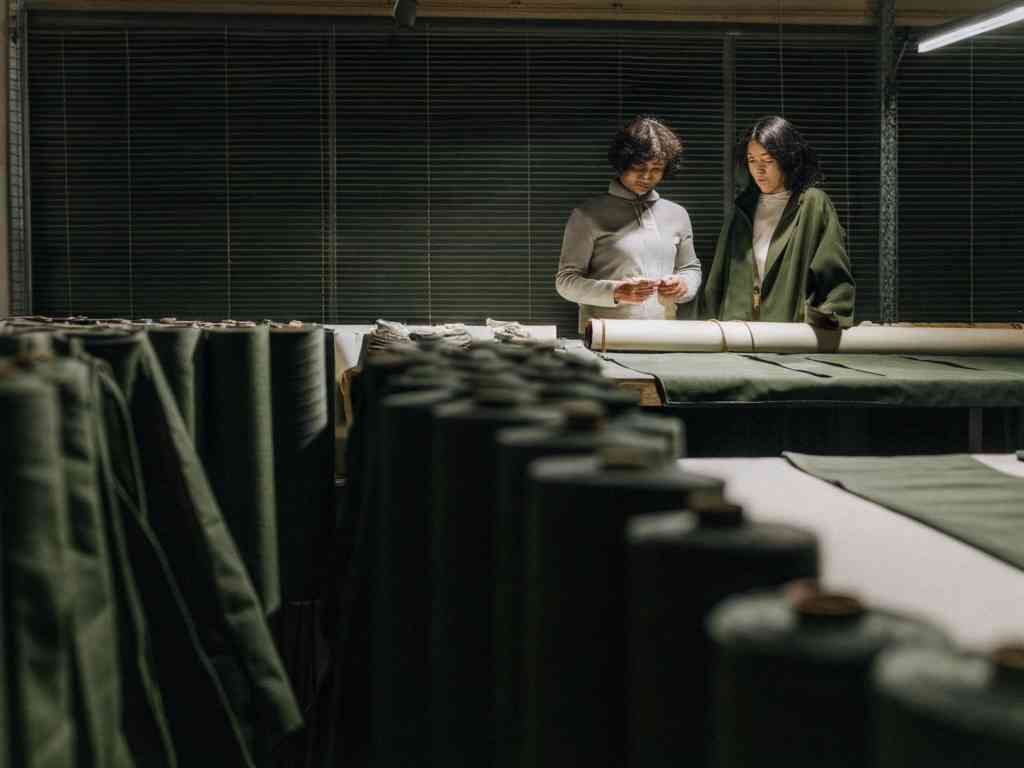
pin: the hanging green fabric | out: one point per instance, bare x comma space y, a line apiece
201, 553
94, 638
26, 342
181, 350
238, 449
37, 602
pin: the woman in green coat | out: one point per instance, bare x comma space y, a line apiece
781, 256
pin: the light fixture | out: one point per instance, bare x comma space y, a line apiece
971, 26
404, 12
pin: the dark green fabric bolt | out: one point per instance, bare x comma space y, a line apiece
681, 565
401, 610
465, 479
792, 679
303, 457
955, 493
945, 709
181, 350
576, 598
94, 638
26, 341
37, 602
238, 449
200, 550
517, 448
864, 379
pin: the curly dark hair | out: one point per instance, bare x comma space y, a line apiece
642, 139
797, 158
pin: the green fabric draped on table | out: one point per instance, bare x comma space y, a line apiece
867, 379
955, 494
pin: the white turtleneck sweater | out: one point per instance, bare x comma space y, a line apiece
766, 219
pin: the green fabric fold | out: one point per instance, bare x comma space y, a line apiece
955, 494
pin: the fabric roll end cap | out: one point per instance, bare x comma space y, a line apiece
633, 452
817, 607
493, 397
713, 511
584, 415
1008, 664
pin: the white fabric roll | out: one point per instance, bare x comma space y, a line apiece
609, 335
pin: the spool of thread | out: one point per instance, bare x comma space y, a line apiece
181, 352
402, 591
668, 428
465, 479
942, 708
576, 592
680, 565
792, 677
580, 434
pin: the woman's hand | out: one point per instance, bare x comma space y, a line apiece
635, 290
672, 287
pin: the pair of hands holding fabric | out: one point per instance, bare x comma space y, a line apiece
636, 290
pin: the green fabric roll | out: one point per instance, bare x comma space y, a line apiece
791, 688
865, 379
465, 478
576, 599
238, 449
669, 428
30, 342
680, 566
517, 448
181, 351
401, 611
94, 635
200, 551
941, 709
956, 494
303, 457
37, 602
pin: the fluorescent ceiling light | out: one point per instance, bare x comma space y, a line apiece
975, 25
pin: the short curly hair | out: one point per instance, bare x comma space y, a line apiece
796, 158
643, 139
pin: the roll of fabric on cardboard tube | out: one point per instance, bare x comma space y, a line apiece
941, 708
680, 565
791, 683
402, 590
465, 466
26, 342
580, 433
576, 592
238, 449
181, 352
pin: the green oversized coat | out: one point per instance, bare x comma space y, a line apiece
807, 272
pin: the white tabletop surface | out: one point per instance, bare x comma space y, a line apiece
888, 559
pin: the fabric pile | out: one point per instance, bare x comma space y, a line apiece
388, 334
509, 331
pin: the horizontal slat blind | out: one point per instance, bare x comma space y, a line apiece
828, 89
192, 172
959, 202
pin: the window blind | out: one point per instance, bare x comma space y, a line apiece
959, 200
827, 87
342, 170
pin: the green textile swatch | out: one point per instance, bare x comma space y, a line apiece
955, 494
181, 350
36, 611
868, 379
188, 524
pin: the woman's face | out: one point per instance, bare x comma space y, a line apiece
764, 169
641, 178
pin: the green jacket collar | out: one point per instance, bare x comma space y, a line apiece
746, 202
